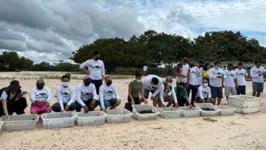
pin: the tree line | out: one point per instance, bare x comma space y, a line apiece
150, 48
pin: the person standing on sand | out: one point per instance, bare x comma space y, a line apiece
40, 98
153, 84
241, 75
96, 70
205, 72
184, 75
257, 73
134, 92
230, 81
86, 96
216, 77
12, 100
65, 96
168, 94
107, 93
193, 82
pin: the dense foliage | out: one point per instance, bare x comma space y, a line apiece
150, 48
153, 48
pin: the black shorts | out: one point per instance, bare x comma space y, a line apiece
97, 84
217, 92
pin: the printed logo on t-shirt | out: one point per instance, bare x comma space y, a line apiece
41, 95
205, 94
65, 94
85, 95
108, 92
97, 67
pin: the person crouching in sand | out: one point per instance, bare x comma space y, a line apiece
40, 98
107, 93
86, 95
12, 100
65, 96
181, 95
168, 94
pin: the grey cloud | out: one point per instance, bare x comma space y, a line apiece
61, 26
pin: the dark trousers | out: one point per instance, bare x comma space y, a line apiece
182, 101
88, 104
18, 107
97, 84
241, 90
194, 90
128, 105
56, 107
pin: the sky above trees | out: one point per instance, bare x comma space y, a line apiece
48, 30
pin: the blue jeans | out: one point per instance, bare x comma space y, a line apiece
147, 92
87, 103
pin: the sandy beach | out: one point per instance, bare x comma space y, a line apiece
238, 132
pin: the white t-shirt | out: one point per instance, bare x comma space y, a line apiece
199, 75
84, 93
229, 78
214, 81
257, 74
185, 69
107, 93
193, 80
241, 76
204, 92
40, 95
146, 83
96, 68
65, 95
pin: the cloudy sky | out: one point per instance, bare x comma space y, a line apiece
49, 30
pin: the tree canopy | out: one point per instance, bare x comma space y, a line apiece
153, 48
148, 49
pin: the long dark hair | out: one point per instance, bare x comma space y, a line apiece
205, 68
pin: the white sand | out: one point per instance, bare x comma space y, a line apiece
233, 132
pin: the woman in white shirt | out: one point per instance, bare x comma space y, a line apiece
65, 96
40, 98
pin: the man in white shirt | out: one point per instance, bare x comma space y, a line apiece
204, 92
86, 96
257, 73
184, 74
96, 70
12, 100
65, 96
193, 81
153, 84
216, 77
241, 76
109, 96
230, 82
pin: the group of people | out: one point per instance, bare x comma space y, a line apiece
205, 83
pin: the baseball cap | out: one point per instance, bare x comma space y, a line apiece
14, 83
